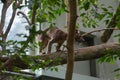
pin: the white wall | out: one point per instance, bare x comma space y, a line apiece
61, 74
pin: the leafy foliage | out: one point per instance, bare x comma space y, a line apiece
110, 56
92, 13
87, 14
48, 10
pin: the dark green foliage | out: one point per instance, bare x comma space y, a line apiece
118, 36
110, 56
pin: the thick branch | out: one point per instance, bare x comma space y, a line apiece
86, 53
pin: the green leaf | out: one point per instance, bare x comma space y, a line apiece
83, 14
84, 25
86, 5
118, 35
118, 69
107, 21
110, 7
56, 69
79, 2
118, 24
104, 9
101, 16
93, 26
117, 76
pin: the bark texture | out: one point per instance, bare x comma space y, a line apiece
71, 23
82, 54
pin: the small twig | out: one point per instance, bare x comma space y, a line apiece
98, 30
20, 12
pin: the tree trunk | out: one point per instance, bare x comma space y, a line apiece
71, 23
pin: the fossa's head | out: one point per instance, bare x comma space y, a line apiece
78, 36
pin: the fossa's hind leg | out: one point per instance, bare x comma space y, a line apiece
59, 45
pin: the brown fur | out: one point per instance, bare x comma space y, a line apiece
55, 35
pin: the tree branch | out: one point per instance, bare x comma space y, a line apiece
16, 4
10, 23
3, 14
107, 33
98, 30
82, 54
20, 12
34, 12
